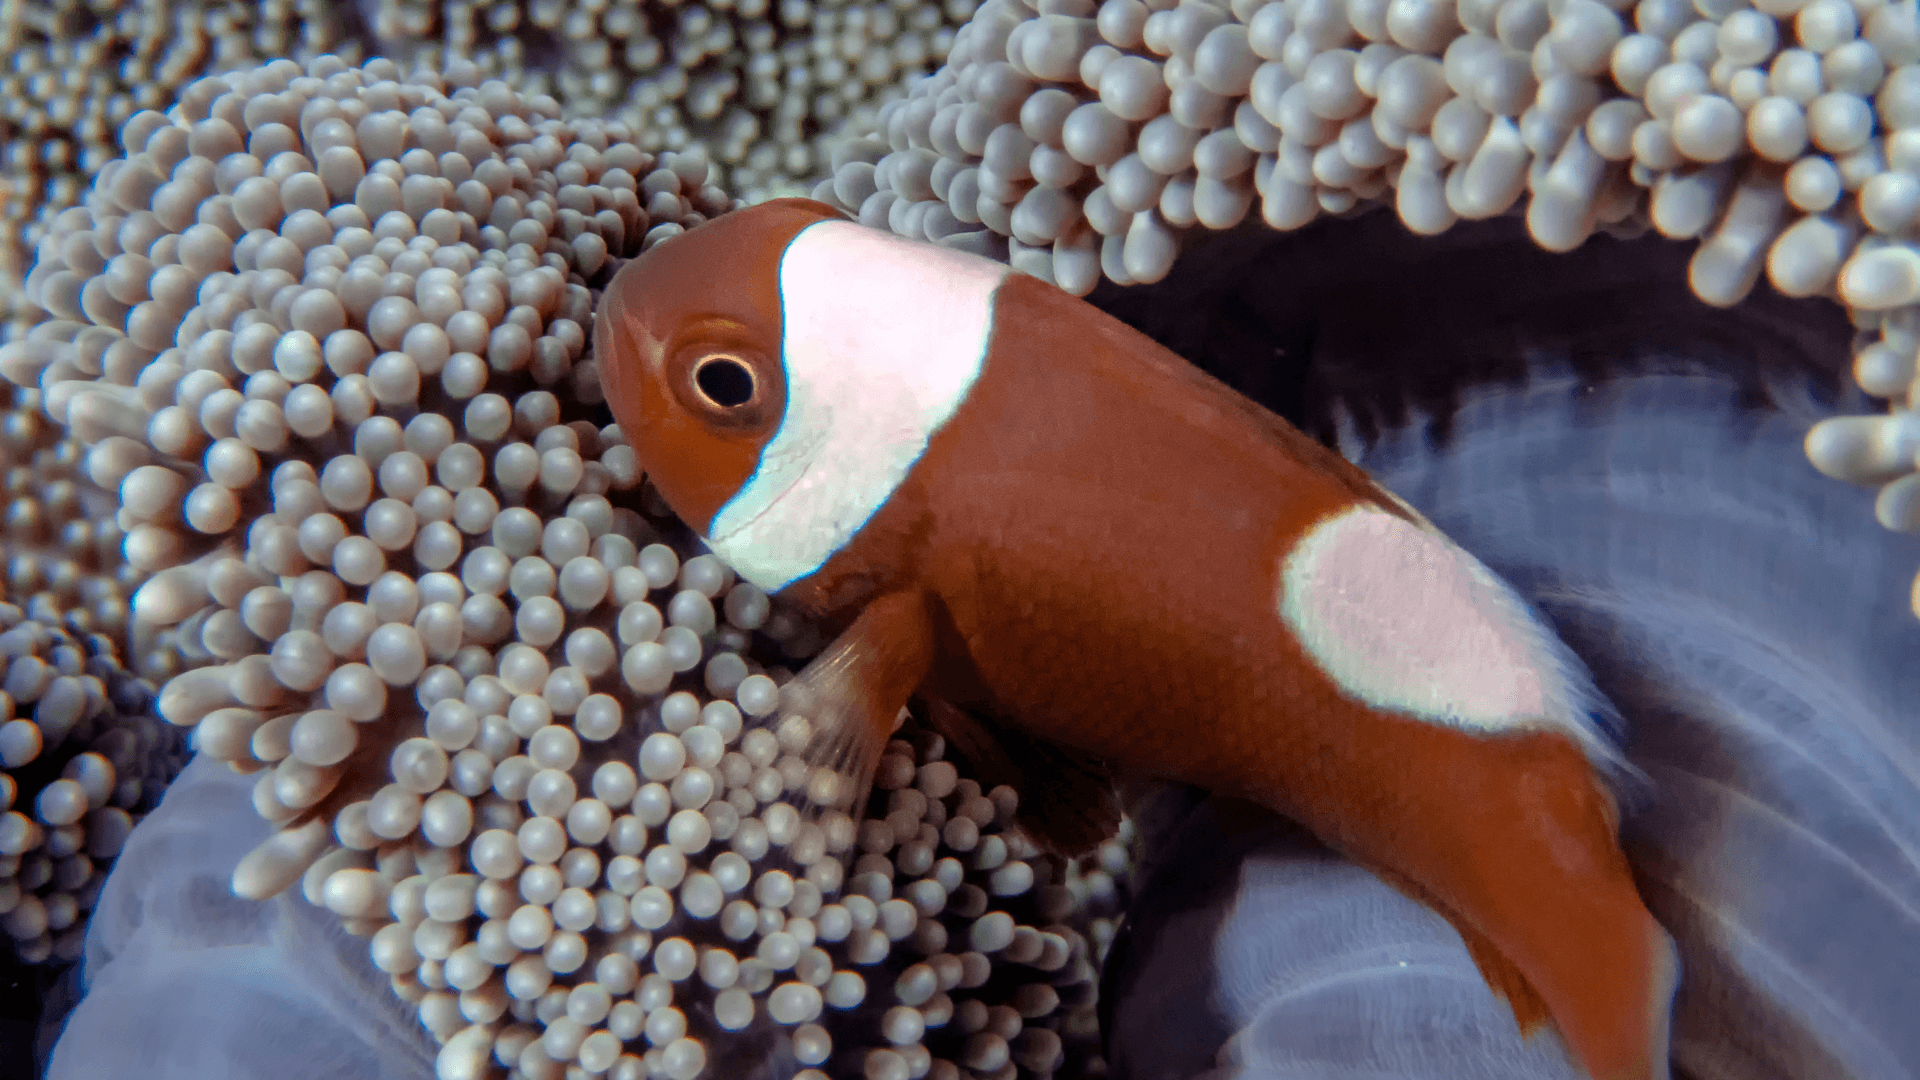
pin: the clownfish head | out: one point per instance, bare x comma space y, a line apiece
779, 370
688, 339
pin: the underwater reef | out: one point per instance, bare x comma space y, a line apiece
309, 473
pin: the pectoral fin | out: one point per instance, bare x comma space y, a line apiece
838, 713
1068, 804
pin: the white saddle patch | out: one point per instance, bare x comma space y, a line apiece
883, 339
1404, 620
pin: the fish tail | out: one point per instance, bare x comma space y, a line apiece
1563, 919
1637, 1046
1513, 839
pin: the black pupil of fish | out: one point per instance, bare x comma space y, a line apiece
726, 382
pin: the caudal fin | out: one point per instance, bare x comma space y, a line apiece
1512, 838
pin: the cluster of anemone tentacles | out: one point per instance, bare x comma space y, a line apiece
77, 69
81, 760
758, 86
323, 330
1082, 139
81, 756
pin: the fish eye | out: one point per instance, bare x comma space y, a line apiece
724, 381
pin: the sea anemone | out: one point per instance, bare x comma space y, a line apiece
521, 738
80, 761
81, 757
759, 86
77, 71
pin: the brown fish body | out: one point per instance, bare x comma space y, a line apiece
1093, 548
